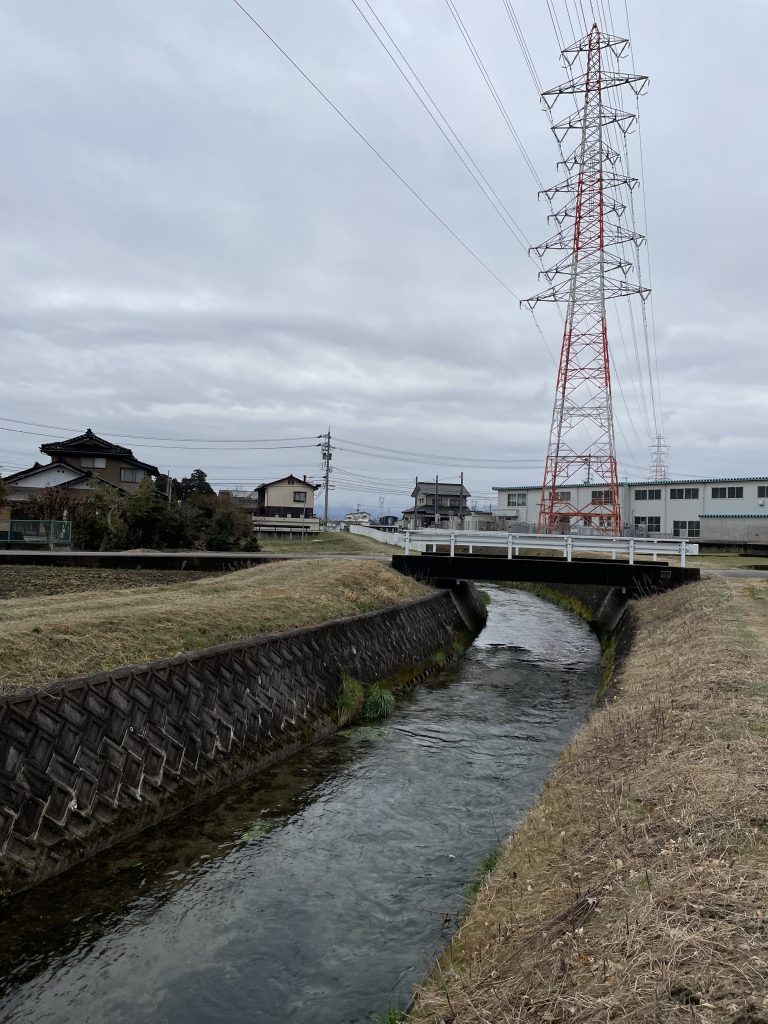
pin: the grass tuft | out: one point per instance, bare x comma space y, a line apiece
378, 703
482, 872
391, 1016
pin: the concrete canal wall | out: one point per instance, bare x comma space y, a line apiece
92, 759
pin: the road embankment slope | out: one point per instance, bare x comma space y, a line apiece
637, 887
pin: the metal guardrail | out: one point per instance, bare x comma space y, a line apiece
514, 543
52, 532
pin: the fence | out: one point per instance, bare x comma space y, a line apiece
513, 543
49, 532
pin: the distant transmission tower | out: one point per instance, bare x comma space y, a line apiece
659, 450
581, 443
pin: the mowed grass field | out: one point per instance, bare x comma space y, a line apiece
46, 637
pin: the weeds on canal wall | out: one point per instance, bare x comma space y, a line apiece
351, 698
379, 702
357, 700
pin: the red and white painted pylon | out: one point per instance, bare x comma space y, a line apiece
581, 444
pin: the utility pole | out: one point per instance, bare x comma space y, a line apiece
461, 497
325, 450
593, 268
437, 514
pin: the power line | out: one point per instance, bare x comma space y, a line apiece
376, 152
645, 228
457, 458
492, 89
197, 448
458, 147
147, 437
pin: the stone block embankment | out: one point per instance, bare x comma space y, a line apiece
92, 759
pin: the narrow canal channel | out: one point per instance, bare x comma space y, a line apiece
319, 891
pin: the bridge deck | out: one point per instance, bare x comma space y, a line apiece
640, 578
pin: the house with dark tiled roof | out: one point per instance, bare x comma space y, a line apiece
435, 502
76, 463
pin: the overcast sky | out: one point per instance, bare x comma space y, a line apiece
195, 245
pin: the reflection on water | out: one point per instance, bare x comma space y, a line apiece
319, 890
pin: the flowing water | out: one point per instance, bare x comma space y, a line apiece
318, 891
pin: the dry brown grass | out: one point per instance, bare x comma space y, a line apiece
334, 542
46, 638
637, 888
39, 580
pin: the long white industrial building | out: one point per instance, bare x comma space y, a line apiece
733, 511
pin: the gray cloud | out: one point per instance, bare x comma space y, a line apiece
194, 245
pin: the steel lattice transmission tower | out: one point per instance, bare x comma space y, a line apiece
593, 269
659, 451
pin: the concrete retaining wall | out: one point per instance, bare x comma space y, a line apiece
92, 759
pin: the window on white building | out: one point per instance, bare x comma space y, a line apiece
651, 523
562, 495
686, 528
648, 495
601, 497
762, 491
683, 493
300, 497
516, 499
727, 492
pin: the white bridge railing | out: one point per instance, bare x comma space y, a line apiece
514, 543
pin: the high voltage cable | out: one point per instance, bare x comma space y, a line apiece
555, 26
454, 464
400, 451
645, 227
492, 89
527, 57
506, 216
376, 152
458, 147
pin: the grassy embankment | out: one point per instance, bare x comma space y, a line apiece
637, 887
726, 560
330, 543
44, 638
